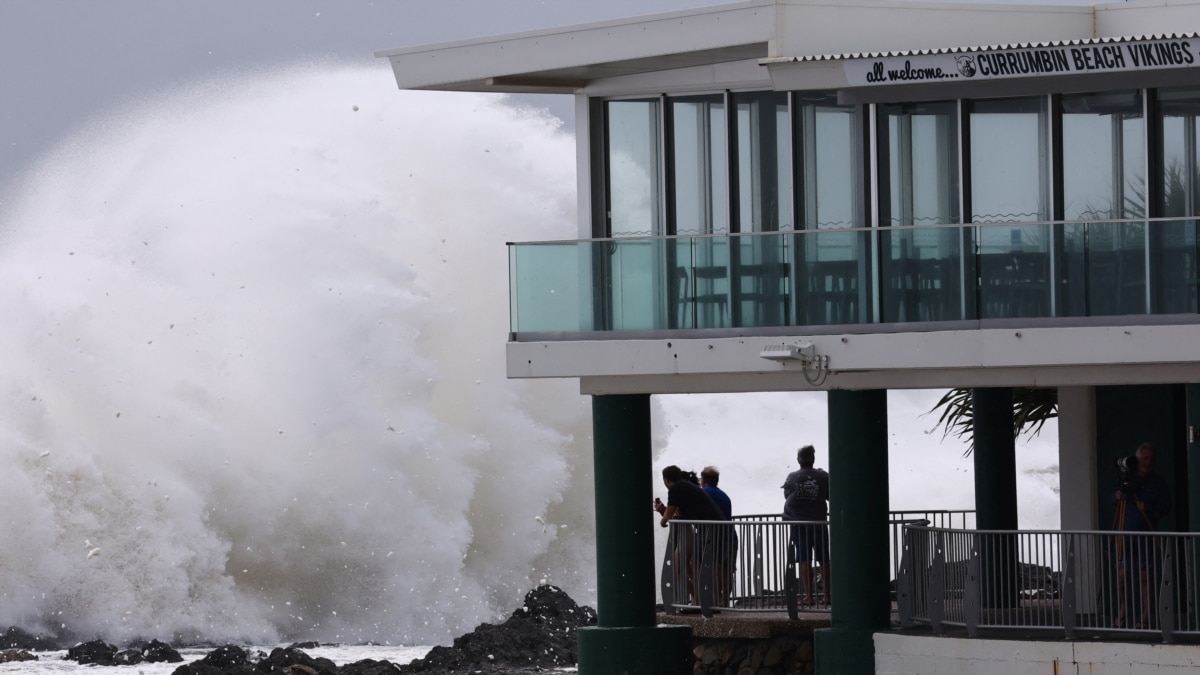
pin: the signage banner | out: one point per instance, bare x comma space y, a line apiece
1031, 62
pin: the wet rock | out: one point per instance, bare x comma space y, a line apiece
295, 662
97, 652
160, 652
227, 660
10, 655
540, 634
370, 667
15, 638
128, 657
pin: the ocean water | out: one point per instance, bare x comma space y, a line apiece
52, 662
253, 386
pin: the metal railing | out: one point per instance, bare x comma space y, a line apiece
748, 564
742, 565
960, 519
1052, 581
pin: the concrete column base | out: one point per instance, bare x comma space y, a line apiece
845, 651
652, 650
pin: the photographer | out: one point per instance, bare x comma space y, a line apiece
1142, 500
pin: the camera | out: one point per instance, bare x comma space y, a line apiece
1127, 464
1128, 467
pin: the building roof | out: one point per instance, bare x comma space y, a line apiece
562, 60
770, 32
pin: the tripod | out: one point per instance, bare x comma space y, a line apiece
1123, 565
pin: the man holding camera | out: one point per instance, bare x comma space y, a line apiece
1142, 499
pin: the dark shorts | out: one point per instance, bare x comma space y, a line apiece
811, 542
1137, 553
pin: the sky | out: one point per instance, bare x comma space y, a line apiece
64, 61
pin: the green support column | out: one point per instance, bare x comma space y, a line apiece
996, 493
626, 641
858, 532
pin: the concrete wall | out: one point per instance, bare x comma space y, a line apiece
929, 655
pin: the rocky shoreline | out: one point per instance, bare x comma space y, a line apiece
538, 637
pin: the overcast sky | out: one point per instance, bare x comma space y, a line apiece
62, 61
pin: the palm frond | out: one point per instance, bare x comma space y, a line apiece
1032, 407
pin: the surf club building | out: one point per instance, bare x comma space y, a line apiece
859, 196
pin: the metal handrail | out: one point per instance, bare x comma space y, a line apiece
741, 565
1050, 580
763, 574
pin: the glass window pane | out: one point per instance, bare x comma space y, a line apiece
1009, 185
633, 168
920, 187
698, 161
1175, 281
1104, 178
764, 168
826, 159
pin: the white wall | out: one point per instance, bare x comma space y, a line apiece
929, 655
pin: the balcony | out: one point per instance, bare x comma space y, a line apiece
853, 280
747, 566
1024, 584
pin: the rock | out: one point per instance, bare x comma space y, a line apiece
128, 657
226, 660
160, 652
370, 667
96, 652
540, 634
296, 662
15, 638
10, 655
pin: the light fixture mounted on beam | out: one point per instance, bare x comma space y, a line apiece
801, 351
814, 367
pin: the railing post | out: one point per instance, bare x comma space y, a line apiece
666, 583
971, 594
758, 563
904, 582
1166, 591
790, 582
1066, 594
937, 584
706, 541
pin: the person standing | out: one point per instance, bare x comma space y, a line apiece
806, 495
709, 478
726, 541
686, 500
1142, 499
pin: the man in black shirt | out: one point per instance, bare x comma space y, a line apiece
686, 500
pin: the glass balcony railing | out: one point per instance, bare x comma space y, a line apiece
855, 276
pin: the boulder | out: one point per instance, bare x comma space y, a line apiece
95, 652
10, 655
16, 638
160, 652
128, 657
226, 660
296, 662
539, 634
